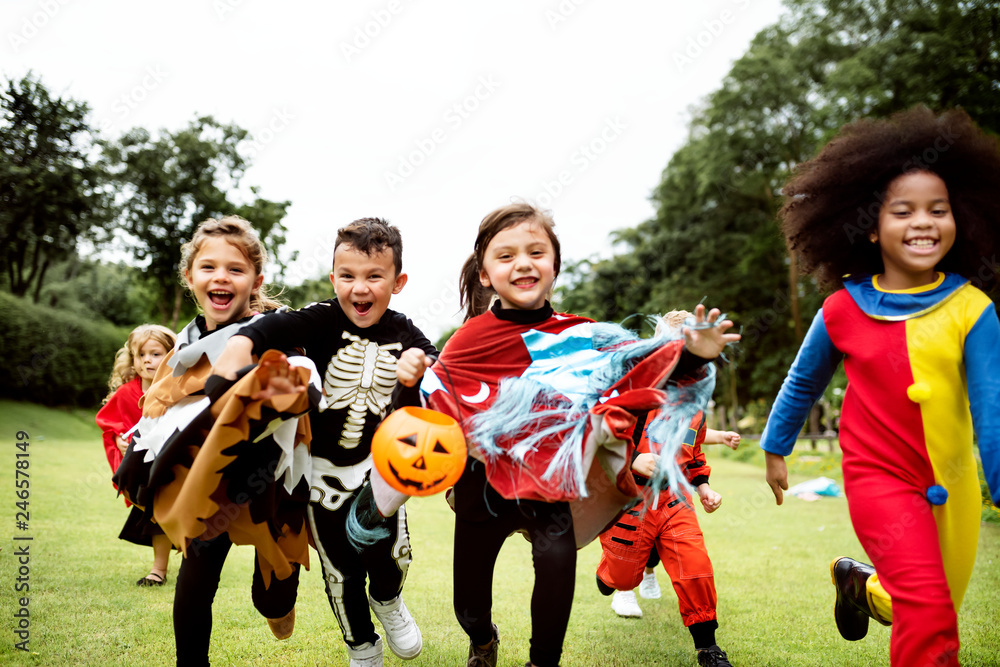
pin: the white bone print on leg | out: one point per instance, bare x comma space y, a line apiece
361, 378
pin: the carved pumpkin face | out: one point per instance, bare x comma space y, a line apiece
418, 451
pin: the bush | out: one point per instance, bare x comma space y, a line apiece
54, 357
117, 293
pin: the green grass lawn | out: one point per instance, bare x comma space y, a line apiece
771, 563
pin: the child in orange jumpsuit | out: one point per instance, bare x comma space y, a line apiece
668, 524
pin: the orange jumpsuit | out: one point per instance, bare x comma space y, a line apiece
671, 527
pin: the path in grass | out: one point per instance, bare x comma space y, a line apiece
772, 569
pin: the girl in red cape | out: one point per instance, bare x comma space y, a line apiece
135, 365
536, 477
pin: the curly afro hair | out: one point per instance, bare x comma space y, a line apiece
832, 202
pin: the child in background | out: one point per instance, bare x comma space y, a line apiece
517, 258
191, 474
135, 364
898, 216
649, 587
356, 339
666, 524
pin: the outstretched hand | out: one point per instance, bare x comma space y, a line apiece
708, 337
277, 377
730, 439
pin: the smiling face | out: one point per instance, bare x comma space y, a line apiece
916, 230
222, 279
147, 359
519, 264
364, 283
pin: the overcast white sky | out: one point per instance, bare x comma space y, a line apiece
430, 113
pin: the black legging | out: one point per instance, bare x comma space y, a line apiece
197, 582
553, 552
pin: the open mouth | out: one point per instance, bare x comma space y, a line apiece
362, 307
922, 243
525, 282
219, 298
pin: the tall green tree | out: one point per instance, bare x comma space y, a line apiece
897, 53
51, 191
169, 183
715, 234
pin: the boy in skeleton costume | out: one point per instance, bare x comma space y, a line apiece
357, 340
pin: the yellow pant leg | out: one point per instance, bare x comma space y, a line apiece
879, 600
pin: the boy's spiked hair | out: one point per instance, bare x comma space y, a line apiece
371, 236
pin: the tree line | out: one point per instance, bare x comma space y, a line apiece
69, 195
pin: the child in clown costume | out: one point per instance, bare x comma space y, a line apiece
901, 214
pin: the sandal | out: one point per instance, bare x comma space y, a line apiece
148, 580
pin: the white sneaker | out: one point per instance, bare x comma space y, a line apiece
650, 587
401, 631
624, 604
366, 655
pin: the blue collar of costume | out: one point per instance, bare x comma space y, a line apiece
898, 305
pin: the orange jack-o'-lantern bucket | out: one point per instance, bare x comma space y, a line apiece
418, 451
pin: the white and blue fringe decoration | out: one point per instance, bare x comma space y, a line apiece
530, 411
365, 526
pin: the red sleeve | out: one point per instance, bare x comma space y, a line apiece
118, 415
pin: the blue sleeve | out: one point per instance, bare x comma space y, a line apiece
982, 369
811, 371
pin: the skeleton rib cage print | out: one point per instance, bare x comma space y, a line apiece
361, 378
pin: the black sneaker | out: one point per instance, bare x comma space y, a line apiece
484, 657
713, 656
851, 611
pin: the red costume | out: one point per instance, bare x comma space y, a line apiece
545, 400
671, 527
117, 417
566, 440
